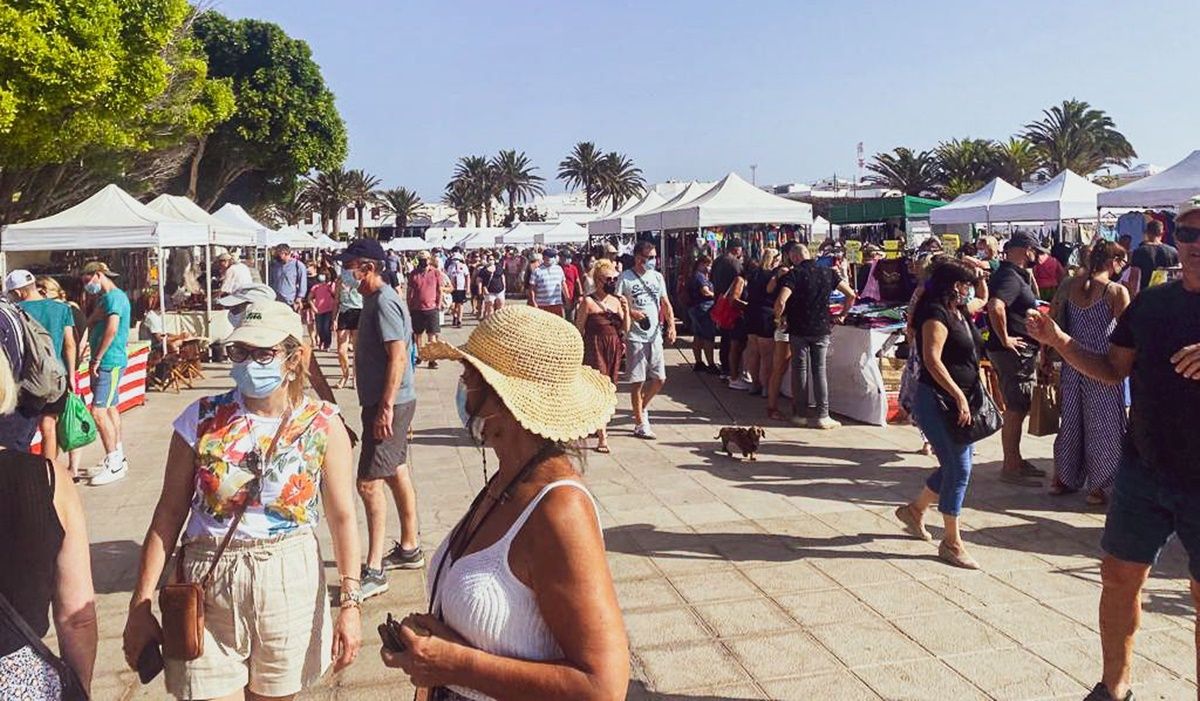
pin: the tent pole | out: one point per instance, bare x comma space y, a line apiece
162, 294
208, 291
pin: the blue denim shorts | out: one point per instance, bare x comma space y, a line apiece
1145, 512
106, 393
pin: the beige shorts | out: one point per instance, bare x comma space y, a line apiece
267, 624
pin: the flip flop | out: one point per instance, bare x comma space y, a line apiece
603, 449
775, 415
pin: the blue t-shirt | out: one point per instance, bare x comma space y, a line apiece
112, 303
384, 319
54, 316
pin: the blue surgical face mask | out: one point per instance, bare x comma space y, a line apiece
256, 380
651, 264
348, 278
92, 288
473, 425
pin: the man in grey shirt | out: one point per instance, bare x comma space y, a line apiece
388, 399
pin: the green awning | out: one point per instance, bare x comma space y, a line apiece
882, 209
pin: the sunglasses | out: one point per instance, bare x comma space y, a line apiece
1187, 234
262, 356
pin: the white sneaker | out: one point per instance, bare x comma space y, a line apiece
643, 431
739, 384
110, 473
824, 424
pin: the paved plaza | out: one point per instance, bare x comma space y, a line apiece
785, 578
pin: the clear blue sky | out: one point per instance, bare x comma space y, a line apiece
698, 88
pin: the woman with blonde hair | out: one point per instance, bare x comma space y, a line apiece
522, 601
760, 322
251, 471
50, 288
603, 320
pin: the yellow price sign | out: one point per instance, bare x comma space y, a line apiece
854, 251
951, 242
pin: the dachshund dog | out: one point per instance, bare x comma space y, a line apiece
746, 438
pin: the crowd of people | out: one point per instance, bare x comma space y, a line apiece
251, 472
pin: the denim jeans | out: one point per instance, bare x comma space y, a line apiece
325, 329
949, 480
809, 352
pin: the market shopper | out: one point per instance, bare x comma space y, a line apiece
603, 320
282, 460
1087, 448
547, 285
1150, 256
725, 269
1048, 273
59, 321
234, 273
349, 309
460, 280
288, 277
52, 290
108, 330
704, 331
388, 399
760, 321
572, 283
782, 357
1013, 353
324, 302
523, 602
653, 318
1156, 343
803, 304
949, 346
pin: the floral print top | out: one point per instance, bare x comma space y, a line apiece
228, 441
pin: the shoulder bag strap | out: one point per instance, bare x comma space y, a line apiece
658, 325
237, 517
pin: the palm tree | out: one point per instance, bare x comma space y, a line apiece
965, 163
458, 196
1016, 160
905, 170
362, 188
291, 210
327, 193
480, 186
582, 168
1076, 136
516, 177
403, 204
618, 180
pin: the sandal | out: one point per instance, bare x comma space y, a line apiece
1058, 489
775, 415
957, 557
912, 526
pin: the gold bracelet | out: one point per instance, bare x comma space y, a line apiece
350, 604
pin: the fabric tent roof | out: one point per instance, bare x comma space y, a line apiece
622, 220
651, 220
111, 218
293, 237
465, 236
1067, 196
523, 234
220, 232
231, 213
974, 207
407, 243
734, 201
563, 232
324, 242
1165, 189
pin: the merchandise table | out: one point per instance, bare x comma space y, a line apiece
856, 387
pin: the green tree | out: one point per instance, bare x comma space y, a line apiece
292, 208
516, 177
458, 196
327, 193
910, 172
286, 123
964, 165
1078, 137
403, 204
1016, 160
479, 184
582, 168
618, 180
363, 190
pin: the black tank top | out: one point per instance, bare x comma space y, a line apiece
32, 538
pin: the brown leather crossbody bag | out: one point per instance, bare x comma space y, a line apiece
182, 602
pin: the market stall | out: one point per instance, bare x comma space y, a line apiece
234, 215
876, 220
522, 235
975, 207
562, 233
1165, 189
1066, 196
621, 222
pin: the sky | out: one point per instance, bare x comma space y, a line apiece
696, 89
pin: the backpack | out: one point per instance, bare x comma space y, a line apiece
495, 283
43, 378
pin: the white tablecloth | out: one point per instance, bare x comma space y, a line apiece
855, 383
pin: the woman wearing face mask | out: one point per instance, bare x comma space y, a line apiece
265, 461
704, 331
603, 320
349, 307
523, 604
323, 302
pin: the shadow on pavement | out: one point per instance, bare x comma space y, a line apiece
638, 691
115, 566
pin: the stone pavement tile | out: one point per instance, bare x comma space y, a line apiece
618, 503
664, 627
786, 578
1050, 585
1015, 674
637, 594
791, 654
1164, 690
625, 566
1032, 622
736, 618
900, 598
1171, 649
952, 631
690, 666
862, 568
692, 514
700, 558
868, 642
919, 681
972, 590
1081, 659
658, 516
831, 686
1084, 610
705, 587
814, 608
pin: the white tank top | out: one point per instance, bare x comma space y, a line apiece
484, 601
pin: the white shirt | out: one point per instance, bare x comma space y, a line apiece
236, 277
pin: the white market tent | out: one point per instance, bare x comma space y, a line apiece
234, 215
976, 207
326, 243
111, 218
465, 236
562, 232
407, 243
295, 238
1165, 189
734, 201
220, 232
652, 219
523, 234
1067, 196
622, 220
822, 229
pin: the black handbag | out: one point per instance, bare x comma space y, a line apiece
985, 417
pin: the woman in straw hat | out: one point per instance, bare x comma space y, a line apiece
522, 601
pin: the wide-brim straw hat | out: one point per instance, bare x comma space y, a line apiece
534, 362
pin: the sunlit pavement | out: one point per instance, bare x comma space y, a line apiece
785, 578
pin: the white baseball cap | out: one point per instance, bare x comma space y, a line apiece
267, 324
18, 279
248, 294
1188, 206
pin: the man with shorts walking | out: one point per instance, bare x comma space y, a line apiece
108, 333
1156, 344
388, 399
425, 302
646, 291
460, 278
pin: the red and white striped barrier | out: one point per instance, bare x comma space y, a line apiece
133, 384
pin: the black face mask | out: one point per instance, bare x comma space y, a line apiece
610, 287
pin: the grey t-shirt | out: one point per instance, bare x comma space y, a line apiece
645, 293
384, 318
